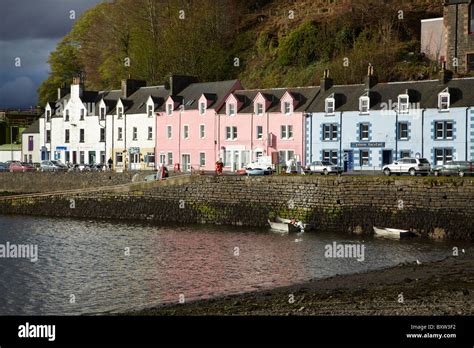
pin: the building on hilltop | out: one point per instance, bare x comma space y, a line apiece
459, 23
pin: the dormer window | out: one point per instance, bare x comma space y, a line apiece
444, 100
330, 105
169, 109
102, 114
364, 104
231, 109
119, 112
403, 103
287, 108
202, 108
150, 110
259, 109
48, 115
82, 115
66, 117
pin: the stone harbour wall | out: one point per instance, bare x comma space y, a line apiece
49, 182
433, 207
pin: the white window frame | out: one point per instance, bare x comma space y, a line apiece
169, 109
134, 133
330, 110
202, 131
231, 133
400, 124
259, 106
444, 105
364, 105
119, 134
403, 108
150, 110
202, 159
202, 108
259, 135
169, 131
286, 132
185, 131
231, 109
102, 113
289, 110
150, 133
361, 132
66, 116
82, 115
169, 156
119, 112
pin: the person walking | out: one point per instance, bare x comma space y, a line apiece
110, 162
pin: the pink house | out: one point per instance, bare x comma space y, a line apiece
261, 122
187, 129
206, 122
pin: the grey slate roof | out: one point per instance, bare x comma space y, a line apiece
424, 93
217, 92
33, 128
304, 95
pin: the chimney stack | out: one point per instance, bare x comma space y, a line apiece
326, 82
76, 88
445, 75
371, 80
130, 86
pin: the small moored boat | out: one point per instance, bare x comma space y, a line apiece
392, 233
283, 227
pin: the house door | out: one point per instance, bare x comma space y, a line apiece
74, 157
386, 157
348, 161
135, 161
236, 162
186, 163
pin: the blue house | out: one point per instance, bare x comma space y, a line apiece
364, 127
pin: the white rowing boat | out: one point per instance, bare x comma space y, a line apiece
393, 233
283, 227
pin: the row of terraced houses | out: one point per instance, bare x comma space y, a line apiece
194, 124
191, 124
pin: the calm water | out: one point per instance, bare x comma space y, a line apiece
87, 259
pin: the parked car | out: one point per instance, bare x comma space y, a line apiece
53, 166
3, 167
21, 167
460, 168
324, 167
155, 176
412, 166
259, 171
9, 163
261, 162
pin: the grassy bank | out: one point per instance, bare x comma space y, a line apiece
439, 288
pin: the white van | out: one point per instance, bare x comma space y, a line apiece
263, 162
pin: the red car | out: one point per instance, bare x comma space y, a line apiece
21, 167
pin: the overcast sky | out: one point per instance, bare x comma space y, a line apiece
30, 30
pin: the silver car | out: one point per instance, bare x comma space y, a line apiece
411, 166
324, 167
53, 166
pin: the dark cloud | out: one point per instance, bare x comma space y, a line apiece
30, 30
22, 19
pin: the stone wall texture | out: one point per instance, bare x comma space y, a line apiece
432, 207
50, 182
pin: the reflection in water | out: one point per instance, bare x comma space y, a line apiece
100, 267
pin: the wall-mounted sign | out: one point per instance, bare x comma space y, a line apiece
133, 150
366, 144
61, 148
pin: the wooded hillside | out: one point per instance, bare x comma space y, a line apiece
265, 43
